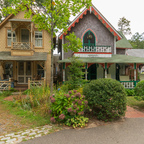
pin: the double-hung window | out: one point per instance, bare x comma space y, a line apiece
9, 37
38, 39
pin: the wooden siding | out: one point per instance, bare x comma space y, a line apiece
45, 48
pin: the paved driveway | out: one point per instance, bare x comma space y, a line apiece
131, 131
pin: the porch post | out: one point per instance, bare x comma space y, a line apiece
11, 36
28, 83
31, 35
105, 70
9, 83
63, 72
86, 71
135, 65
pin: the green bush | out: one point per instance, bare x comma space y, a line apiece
139, 89
6, 93
69, 108
130, 92
106, 98
139, 98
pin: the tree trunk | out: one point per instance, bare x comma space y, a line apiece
52, 30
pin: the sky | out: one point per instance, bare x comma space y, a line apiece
132, 10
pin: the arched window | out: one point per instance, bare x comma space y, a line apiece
89, 41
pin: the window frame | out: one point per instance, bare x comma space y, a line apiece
36, 31
7, 37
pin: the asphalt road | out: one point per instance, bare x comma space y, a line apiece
130, 131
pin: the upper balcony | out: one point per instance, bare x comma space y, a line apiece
98, 48
22, 48
94, 51
20, 37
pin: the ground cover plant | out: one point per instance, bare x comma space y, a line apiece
130, 92
133, 102
69, 108
106, 98
37, 100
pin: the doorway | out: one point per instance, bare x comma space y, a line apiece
24, 72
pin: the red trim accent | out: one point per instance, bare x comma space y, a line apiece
102, 64
123, 48
91, 53
67, 64
139, 65
99, 17
132, 65
86, 31
89, 64
109, 64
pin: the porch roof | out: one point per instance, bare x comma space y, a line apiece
113, 59
20, 20
38, 56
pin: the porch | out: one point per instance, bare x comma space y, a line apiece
125, 69
16, 71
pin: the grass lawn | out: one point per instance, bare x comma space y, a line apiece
14, 119
131, 101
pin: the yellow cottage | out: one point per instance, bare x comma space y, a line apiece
24, 51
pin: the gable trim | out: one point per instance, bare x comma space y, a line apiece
99, 16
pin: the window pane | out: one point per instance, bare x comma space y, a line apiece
38, 39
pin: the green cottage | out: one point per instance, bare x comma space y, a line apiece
103, 52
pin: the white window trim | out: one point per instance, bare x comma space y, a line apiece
39, 38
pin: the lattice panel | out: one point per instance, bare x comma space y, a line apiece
96, 49
4, 85
37, 83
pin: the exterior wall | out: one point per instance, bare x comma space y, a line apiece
100, 72
90, 21
3, 36
112, 71
120, 51
45, 48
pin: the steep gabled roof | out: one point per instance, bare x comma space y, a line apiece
104, 21
10, 15
123, 43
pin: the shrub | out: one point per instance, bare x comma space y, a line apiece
139, 89
139, 98
75, 78
130, 92
37, 99
69, 108
106, 97
6, 93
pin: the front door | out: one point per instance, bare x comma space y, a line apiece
24, 72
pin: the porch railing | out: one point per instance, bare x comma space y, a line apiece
21, 45
5, 85
96, 49
129, 84
36, 83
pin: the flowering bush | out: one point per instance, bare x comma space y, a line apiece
69, 108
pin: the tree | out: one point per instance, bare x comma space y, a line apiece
124, 26
54, 16
137, 41
6, 3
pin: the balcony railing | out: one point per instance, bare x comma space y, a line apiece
21, 45
129, 84
96, 49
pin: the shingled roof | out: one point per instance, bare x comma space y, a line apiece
103, 20
123, 43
